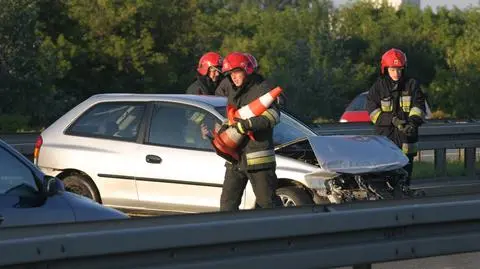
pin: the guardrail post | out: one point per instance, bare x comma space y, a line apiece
470, 161
440, 160
362, 266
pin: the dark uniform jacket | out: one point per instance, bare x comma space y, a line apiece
404, 100
203, 86
258, 153
224, 87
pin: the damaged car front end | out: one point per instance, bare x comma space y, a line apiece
349, 167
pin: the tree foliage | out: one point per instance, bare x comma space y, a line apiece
56, 53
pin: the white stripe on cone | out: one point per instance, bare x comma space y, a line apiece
245, 112
266, 99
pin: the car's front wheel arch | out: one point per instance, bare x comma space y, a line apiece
300, 194
75, 179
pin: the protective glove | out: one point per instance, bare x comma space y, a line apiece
243, 126
410, 129
398, 123
222, 127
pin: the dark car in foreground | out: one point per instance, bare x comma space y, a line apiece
29, 197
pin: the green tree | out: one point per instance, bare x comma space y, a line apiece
56, 53
19, 77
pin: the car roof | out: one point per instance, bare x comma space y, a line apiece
212, 100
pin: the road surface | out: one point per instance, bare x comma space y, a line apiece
459, 261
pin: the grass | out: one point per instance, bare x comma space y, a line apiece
427, 169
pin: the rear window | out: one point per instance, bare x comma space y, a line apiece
113, 120
358, 104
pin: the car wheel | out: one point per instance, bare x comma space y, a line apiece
294, 196
81, 185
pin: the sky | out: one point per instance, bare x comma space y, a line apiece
433, 3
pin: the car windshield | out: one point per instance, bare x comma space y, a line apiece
287, 130
15, 177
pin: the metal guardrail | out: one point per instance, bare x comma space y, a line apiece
354, 234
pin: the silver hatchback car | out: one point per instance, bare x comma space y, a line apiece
151, 152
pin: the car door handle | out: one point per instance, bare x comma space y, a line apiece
1, 219
153, 159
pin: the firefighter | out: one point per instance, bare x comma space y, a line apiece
257, 157
208, 78
208, 74
396, 105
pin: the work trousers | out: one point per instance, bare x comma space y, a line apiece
409, 167
264, 183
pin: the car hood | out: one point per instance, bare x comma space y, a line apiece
353, 154
86, 209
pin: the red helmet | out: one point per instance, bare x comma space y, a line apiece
252, 60
236, 60
207, 60
393, 58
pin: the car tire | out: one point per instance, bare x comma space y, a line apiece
294, 196
83, 186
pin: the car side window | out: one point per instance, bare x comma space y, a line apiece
183, 126
15, 176
114, 120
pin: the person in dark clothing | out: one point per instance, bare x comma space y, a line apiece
396, 105
257, 157
225, 85
208, 74
208, 78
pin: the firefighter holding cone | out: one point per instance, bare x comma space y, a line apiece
246, 141
226, 143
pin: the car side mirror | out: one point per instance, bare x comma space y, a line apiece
53, 185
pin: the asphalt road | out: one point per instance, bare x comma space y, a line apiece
459, 261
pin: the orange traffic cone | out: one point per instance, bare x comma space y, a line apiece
258, 106
231, 110
226, 142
